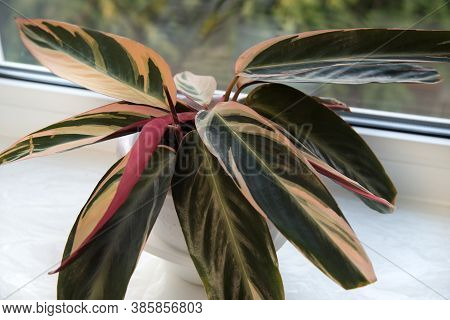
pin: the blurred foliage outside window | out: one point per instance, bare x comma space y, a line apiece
207, 36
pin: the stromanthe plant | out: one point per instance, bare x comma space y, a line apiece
233, 163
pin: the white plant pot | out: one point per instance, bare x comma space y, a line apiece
167, 242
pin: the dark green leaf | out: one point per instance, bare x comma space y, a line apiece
279, 182
325, 135
100, 124
104, 268
351, 56
228, 240
100, 61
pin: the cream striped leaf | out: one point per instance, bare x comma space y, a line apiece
228, 240
282, 186
103, 62
104, 268
100, 124
100, 211
347, 56
198, 88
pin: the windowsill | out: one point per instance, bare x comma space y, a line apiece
413, 243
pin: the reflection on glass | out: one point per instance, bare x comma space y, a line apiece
206, 37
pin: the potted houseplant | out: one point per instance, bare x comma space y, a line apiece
232, 163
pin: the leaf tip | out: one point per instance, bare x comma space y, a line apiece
361, 284
53, 271
64, 263
20, 21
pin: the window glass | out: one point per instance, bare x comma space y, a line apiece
206, 37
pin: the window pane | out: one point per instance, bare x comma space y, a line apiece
207, 36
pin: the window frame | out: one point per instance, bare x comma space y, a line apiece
359, 117
2, 56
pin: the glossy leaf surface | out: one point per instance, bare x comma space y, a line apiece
104, 202
104, 269
100, 61
228, 240
325, 135
350, 56
281, 185
100, 124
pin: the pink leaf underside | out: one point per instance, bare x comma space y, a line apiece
336, 106
344, 181
138, 157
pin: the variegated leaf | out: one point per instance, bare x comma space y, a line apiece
369, 198
281, 184
100, 124
351, 56
198, 88
103, 62
117, 185
348, 73
343, 154
229, 242
105, 267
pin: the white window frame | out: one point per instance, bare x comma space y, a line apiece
2, 56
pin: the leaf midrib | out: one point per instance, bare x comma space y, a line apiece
328, 62
340, 164
283, 186
255, 155
228, 223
